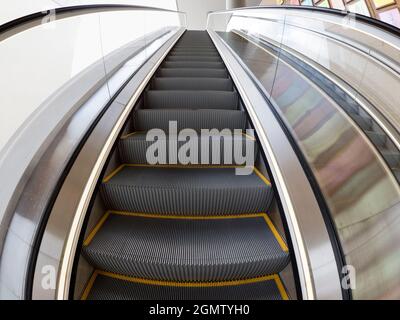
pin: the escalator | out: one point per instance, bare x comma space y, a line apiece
186, 230
134, 172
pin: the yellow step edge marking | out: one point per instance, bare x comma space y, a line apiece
183, 217
274, 277
186, 284
276, 233
268, 221
101, 222
249, 136
281, 288
113, 173
182, 166
130, 134
261, 176
136, 132
96, 229
89, 286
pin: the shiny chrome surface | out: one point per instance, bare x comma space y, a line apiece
360, 191
313, 251
63, 229
62, 98
366, 58
60, 68
47, 15
232, 4
31, 206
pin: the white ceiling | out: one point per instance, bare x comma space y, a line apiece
197, 11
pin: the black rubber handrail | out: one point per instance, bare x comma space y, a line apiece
368, 20
25, 20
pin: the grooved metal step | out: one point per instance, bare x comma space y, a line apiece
193, 64
191, 50
218, 84
194, 53
193, 58
112, 287
144, 120
134, 148
189, 250
195, 43
191, 99
204, 46
192, 72
185, 191
187, 231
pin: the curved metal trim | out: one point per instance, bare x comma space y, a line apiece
313, 287
368, 20
29, 21
74, 197
385, 62
75, 231
376, 115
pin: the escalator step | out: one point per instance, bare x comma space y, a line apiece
193, 64
193, 72
202, 46
185, 190
208, 45
194, 50
186, 231
193, 41
133, 148
144, 120
104, 286
218, 84
194, 53
191, 99
194, 58
189, 250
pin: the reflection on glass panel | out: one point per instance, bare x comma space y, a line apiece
56, 55
391, 16
337, 4
293, 2
359, 7
51, 57
324, 4
307, 3
382, 3
363, 198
